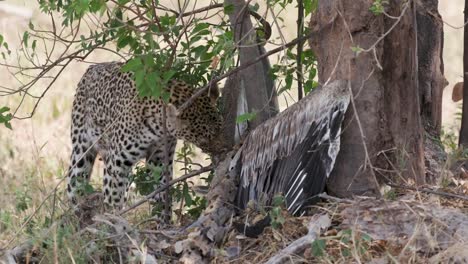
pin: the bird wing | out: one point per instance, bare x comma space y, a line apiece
294, 153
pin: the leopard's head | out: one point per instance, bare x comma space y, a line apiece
200, 123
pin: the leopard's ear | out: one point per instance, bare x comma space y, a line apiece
213, 92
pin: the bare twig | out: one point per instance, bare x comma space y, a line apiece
333, 198
426, 190
193, 12
403, 12
300, 46
202, 90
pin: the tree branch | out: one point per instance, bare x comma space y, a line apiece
202, 90
165, 187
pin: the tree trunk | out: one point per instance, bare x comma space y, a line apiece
464, 126
384, 81
431, 67
431, 83
251, 90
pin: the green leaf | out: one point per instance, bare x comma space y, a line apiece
22, 200
345, 235
377, 7
153, 83
228, 9
96, 5
245, 117
88, 189
149, 39
7, 48
25, 38
1, 39
144, 90
157, 171
277, 219
5, 117
148, 61
308, 86
254, 7
168, 75
187, 197
199, 27
312, 73
34, 43
199, 51
310, 6
288, 81
318, 247
357, 49
81, 7
123, 42
139, 77
366, 237
132, 65
6, 219
146, 178
278, 200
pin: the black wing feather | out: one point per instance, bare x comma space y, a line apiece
302, 175
294, 153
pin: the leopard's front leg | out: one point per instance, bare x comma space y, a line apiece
157, 155
118, 164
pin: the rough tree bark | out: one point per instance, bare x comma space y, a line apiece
431, 83
430, 63
384, 81
464, 126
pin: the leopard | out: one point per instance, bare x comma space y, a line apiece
112, 122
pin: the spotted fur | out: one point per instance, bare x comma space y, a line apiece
109, 119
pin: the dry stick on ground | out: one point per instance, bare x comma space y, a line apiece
334, 199
317, 224
452, 195
165, 187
